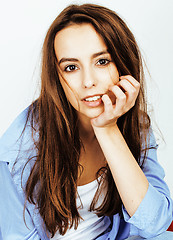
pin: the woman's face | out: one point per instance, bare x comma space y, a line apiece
86, 68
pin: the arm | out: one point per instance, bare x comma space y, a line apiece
154, 214
145, 195
129, 178
12, 224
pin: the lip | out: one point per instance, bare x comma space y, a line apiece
95, 103
90, 96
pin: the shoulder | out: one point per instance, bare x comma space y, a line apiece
18, 137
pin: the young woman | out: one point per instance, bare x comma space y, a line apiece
81, 162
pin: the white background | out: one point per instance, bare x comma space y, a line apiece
23, 25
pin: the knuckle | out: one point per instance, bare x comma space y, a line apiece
109, 103
133, 91
132, 104
122, 97
138, 84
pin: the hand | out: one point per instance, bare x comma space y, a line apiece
125, 92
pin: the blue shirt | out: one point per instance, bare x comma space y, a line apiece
152, 217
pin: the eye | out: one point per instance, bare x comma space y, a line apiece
103, 62
70, 68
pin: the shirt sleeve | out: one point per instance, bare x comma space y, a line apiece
12, 224
155, 213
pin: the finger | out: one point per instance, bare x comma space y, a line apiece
128, 89
121, 98
108, 107
107, 115
132, 80
131, 92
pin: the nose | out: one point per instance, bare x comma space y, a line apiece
89, 79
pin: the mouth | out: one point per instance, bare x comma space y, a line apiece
93, 101
93, 98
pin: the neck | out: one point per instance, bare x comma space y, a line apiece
86, 130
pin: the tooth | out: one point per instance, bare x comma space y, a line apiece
93, 98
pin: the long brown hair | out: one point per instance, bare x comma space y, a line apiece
52, 184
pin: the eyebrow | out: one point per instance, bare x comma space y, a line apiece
76, 60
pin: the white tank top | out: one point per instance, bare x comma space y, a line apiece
91, 226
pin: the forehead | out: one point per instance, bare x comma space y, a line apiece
78, 40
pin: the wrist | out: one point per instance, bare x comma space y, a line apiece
107, 136
106, 130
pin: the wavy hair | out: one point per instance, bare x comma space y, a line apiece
52, 183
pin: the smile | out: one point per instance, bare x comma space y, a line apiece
92, 99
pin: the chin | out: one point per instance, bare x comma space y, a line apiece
90, 113
93, 113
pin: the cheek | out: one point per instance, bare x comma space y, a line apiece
114, 79
112, 75
115, 75
70, 94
